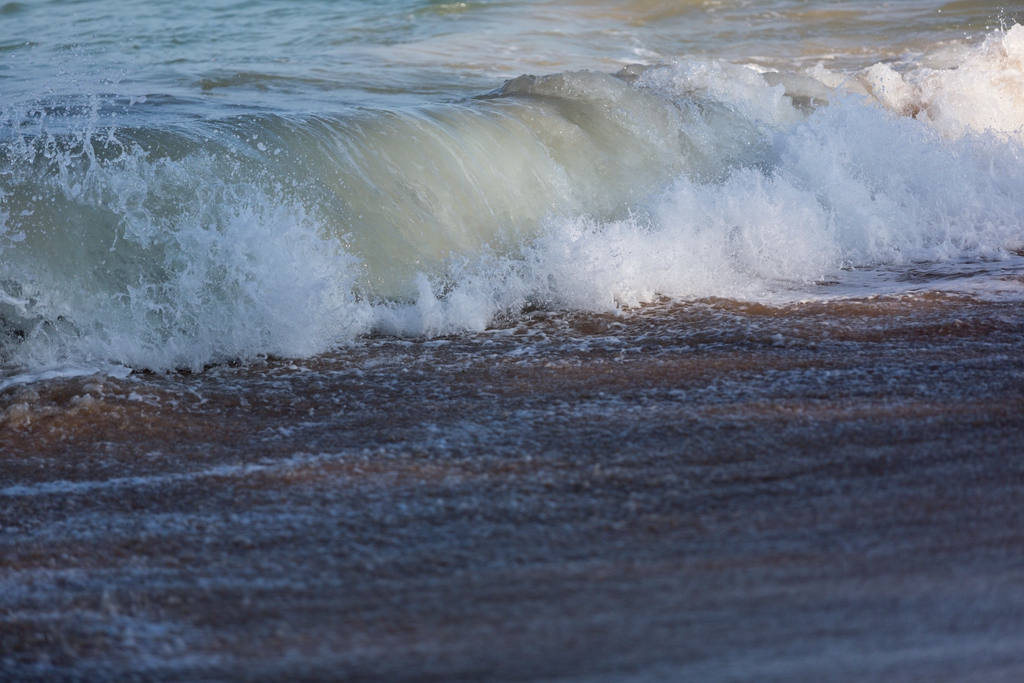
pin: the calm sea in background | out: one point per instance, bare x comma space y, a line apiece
582, 341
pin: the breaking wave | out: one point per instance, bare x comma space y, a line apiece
167, 242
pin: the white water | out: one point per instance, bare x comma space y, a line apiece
168, 243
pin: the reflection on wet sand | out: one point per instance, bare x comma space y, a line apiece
704, 491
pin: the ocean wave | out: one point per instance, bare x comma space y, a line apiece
198, 241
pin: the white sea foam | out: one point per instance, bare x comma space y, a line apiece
982, 89
577, 191
63, 372
851, 186
232, 272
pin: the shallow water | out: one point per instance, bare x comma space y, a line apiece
716, 490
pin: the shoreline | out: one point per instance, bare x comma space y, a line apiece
709, 490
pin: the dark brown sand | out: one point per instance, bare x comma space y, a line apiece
700, 492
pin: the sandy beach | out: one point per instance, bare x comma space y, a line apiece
707, 491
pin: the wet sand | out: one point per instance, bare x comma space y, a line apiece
709, 491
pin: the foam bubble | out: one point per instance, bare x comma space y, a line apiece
575, 191
63, 372
852, 186
111, 273
977, 89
